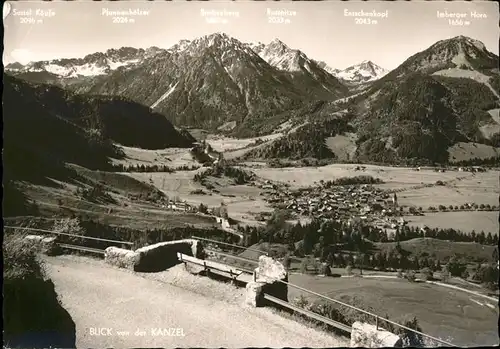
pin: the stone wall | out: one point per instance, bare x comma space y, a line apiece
121, 258
366, 335
161, 256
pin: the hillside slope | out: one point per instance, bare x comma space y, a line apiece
45, 128
114, 118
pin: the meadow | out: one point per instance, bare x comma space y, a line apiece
441, 312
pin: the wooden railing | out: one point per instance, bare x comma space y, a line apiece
378, 319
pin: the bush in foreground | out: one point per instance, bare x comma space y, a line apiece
33, 316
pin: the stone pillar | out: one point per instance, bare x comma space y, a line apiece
366, 335
197, 249
254, 293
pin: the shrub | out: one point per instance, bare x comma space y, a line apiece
301, 302
20, 259
427, 274
69, 226
325, 269
410, 276
456, 268
410, 338
303, 266
287, 261
445, 276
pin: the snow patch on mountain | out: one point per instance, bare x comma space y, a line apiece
113, 65
95, 64
363, 72
280, 56
164, 96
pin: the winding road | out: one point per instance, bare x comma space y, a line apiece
130, 308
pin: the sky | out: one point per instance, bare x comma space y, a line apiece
319, 29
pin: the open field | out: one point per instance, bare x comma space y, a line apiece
467, 151
480, 189
226, 144
343, 146
395, 177
441, 249
235, 148
441, 312
125, 213
243, 201
171, 157
486, 221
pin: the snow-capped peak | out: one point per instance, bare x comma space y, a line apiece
363, 72
99, 63
220, 41
280, 56
180, 46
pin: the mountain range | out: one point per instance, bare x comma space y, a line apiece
363, 72
436, 98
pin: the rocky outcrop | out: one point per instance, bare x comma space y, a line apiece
43, 244
267, 277
368, 336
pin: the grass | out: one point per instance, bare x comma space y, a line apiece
20, 260
116, 181
481, 189
486, 221
441, 312
394, 177
171, 157
243, 201
62, 201
344, 146
467, 151
441, 249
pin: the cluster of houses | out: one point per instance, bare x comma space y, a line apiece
472, 169
179, 206
339, 202
185, 207
459, 169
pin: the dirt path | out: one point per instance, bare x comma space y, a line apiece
99, 296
